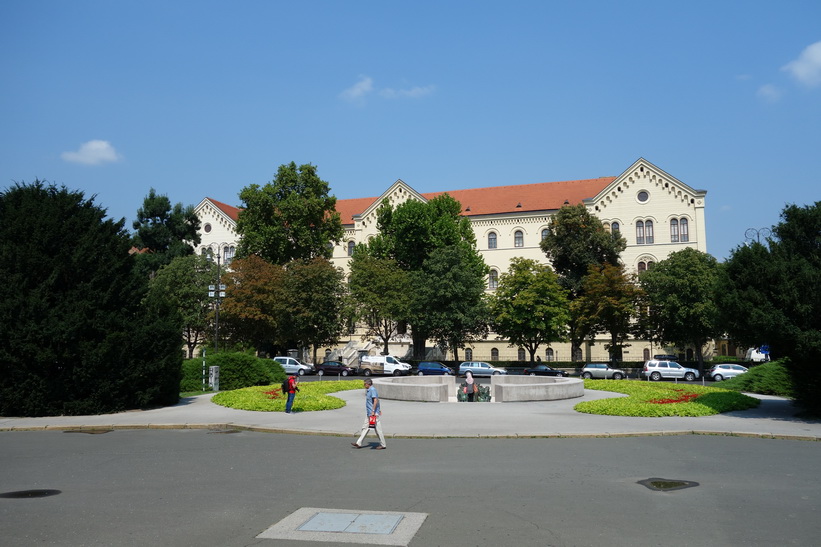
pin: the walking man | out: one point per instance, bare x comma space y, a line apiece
372, 412
292, 389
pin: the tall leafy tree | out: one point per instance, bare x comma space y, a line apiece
681, 299
184, 282
449, 297
529, 307
292, 217
164, 232
79, 334
410, 233
253, 311
608, 304
314, 302
576, 240
771, 294
380, 291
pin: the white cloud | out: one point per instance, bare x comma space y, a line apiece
769, 93
412, 93
358, 91
807, 68
93, 153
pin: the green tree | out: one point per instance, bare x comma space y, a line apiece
449, 297
164, 232
681, 300
608, 304
291, 217
184, 281
576, 240
771, 294
410, 233
529, 307
79, 335
314, 304
380, 291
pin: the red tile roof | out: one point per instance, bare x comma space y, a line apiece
544, 196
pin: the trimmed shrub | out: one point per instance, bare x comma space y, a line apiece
237, 370
768, 379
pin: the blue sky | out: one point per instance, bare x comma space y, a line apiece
201, 98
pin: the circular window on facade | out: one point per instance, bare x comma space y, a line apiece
207, 228
642, 196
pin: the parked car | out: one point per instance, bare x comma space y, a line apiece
480, 369
432, 368
293, 366
382, 364
656, 370
334, 368
602, 371
543, 370
720, 372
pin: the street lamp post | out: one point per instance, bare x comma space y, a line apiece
217, 292
753, 234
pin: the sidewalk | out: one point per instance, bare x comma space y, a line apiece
774, 418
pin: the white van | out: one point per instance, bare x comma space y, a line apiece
382, 364
757, 355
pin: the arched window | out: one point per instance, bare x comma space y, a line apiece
493, 280
549, 355
639, 233
685, 230
577, 354
674, 230
545, 233
494, 354
521, 354
518, 239
351, 246
606, 226
646, 354
650, 264
642, 267
468, 354
648, 232
228, 253
614, 227
491, 240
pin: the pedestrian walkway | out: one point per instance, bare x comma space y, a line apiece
774, 418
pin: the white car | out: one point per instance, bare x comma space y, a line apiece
480, 369
720, 372
293, 366
656, 370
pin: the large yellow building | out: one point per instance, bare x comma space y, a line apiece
656, 213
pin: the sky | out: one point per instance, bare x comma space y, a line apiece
202, 98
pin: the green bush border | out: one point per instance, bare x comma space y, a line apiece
653, 400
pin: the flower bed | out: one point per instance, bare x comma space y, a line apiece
311, 396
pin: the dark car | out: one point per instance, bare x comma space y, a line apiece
334, 368
543, 370
433, 368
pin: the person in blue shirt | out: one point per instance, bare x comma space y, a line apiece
372, 410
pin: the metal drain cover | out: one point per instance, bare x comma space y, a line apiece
22, 494
666, 485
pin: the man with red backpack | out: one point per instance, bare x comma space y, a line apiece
292, 389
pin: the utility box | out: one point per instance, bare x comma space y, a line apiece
214, 378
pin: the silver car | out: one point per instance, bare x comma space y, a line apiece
656, 370
720, 372
480, 369
293, 366
602, 371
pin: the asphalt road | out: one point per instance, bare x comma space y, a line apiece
195, 487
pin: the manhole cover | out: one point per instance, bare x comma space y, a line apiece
89, 431
30, 494
665, 485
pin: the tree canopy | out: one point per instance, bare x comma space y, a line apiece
529, 306
164, 232
681, 296
80, 334
292, 217
770, 294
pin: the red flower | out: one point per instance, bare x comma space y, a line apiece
684, 397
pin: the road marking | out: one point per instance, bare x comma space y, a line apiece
347, 526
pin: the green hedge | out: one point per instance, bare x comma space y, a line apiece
767, 378
237, 370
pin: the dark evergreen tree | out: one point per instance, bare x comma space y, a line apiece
77, 335
163, 232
